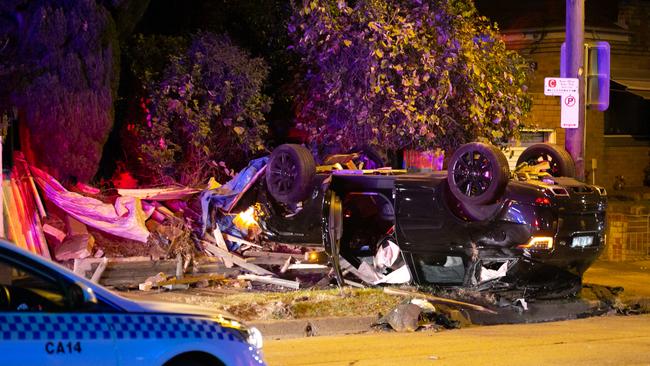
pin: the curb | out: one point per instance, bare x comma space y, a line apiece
297, 328
542, 311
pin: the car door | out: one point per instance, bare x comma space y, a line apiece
431, 238
39, 326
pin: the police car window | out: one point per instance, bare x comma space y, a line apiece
24, 290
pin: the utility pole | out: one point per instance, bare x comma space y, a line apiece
575, 25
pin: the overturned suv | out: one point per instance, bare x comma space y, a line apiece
475, 225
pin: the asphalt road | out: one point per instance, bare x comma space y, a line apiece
611, 340
633, 276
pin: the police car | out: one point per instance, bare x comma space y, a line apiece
51, 316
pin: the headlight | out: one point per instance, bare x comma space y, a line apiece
255, 338
251, 335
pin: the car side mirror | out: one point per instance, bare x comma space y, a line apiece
82, 296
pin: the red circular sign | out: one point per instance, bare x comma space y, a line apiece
552, 83
570, 101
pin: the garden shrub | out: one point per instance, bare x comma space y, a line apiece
206, 106
424, 73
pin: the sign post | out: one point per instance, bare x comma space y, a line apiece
575, 137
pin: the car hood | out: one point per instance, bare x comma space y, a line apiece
172, 308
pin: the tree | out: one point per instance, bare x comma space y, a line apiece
205, 106
259, 26
61, 60
424, 73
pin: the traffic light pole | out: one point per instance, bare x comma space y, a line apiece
575, 23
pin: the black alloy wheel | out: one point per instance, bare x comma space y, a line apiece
283, 172
478, 173
560, 161
289, 173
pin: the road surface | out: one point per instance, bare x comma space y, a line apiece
611, 340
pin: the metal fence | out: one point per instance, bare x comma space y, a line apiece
628, 237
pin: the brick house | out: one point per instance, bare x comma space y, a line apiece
617, 140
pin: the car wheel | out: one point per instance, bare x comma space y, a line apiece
194, 359
478, 173
289, 173
560, 161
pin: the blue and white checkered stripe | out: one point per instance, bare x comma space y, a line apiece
46, 327
95, 326
162, 326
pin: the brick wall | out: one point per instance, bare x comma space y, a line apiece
627, 161
616, 237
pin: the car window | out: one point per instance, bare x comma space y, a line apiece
440, 269
25, 290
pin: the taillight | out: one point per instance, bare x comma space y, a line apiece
538, 243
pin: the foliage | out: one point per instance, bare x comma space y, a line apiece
59, 68
62, 58
205, 107
259, 26
425, 73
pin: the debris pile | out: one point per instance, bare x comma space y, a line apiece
151, 238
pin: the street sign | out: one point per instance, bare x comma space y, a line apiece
567, 90
570, 110
560, 86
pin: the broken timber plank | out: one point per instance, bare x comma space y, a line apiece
285, 265
273, 281
441, 300
53, 235
131, 271
218, 240
179, 266
241, 262
308, 266
354, 284
99, 271
280, 257
83, 265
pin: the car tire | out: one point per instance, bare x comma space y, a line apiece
289, 173
478, 173
194, 359
562, 165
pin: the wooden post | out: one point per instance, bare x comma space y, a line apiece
575, 24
